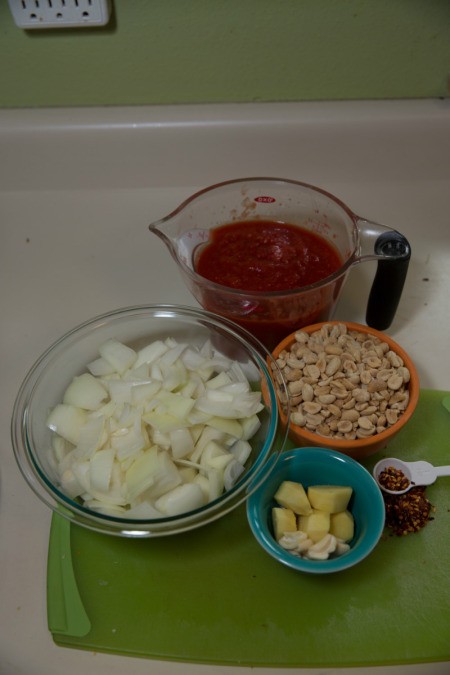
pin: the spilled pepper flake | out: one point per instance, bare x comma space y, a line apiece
409, 512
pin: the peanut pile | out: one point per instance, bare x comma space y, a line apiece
344, 384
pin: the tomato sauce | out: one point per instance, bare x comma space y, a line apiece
266, 256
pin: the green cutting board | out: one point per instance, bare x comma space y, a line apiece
215, 596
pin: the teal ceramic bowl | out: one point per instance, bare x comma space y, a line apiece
314, 466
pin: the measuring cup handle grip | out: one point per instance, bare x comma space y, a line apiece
394, 254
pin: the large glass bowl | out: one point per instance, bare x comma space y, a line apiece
137, 326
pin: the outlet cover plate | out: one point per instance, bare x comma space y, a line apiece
41, 14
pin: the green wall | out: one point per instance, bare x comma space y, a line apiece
192, 51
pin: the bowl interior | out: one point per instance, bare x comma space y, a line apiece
45, 384
314, 466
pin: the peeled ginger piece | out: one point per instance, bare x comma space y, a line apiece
329, 498
283, 520
342, 525
316, 525
292, 496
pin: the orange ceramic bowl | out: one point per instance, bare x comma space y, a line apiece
358, 448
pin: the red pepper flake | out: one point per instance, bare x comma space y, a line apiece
393, 479
409, 512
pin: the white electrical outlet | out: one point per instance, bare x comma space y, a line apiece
60, 13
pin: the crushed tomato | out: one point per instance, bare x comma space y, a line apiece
262, 255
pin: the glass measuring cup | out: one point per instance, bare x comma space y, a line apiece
270, 316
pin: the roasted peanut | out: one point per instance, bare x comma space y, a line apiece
344, 384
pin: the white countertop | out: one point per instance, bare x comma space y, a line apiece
77, 191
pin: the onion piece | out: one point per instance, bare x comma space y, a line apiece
220, 380
171, 355
150, 353
232, 427
144, 509
183, 498
232, 472
60, 447
208, 434
100, 470
86, 392
181, 443
67, 420
100, 367
241, 450
250, 426
128, 444
70, 484
120, 356
216, 483
91, 437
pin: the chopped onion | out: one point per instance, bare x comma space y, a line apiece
100, 367
91, 437
241, 450
216, 483
250, 426
118, 355
158, 431
150, 353
67, 421
181, 443
232, 472
186, 497
100, 469
86, 392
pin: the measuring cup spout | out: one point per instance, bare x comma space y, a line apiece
393, 252
165, 230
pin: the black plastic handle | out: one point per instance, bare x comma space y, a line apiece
389, 279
